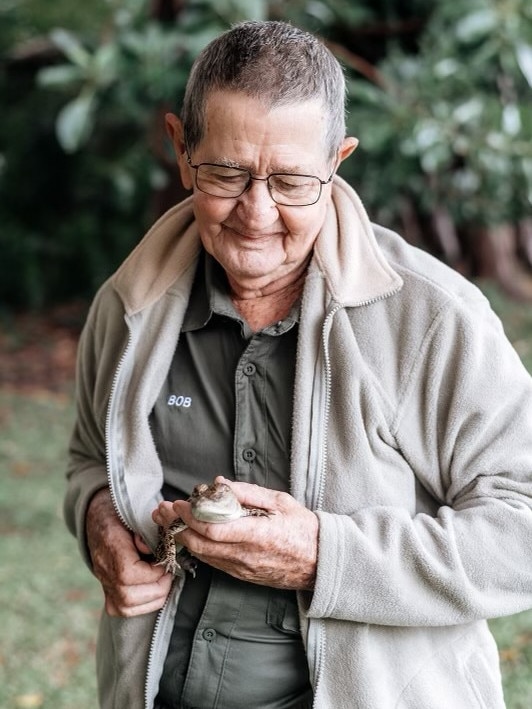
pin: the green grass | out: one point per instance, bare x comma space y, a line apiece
514, 639
49, 602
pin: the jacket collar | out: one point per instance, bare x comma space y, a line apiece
170, 248
346, 252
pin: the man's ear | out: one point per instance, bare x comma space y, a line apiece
348, 147
174, 129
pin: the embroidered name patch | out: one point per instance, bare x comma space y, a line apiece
179, 400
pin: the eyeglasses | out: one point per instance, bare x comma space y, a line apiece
285, 188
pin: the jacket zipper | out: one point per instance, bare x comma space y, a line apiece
327, 405
319, 490
112, 473
316, 636
163, 616
109, 436
319, 641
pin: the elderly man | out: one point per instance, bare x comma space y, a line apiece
355, 388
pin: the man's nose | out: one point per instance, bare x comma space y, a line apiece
256, 202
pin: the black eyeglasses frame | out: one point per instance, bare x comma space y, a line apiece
259, 179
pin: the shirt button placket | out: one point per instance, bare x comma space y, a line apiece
209, 634
249, 369
249, 455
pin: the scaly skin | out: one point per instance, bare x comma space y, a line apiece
215, 503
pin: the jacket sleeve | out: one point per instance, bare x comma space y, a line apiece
465, 427
101, 345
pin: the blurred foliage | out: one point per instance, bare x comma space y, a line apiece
439, 95
23, 20
455, 117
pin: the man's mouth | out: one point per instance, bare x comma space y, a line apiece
250, 235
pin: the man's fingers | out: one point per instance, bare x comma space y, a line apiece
131, 585
141, 544
126, 569
252, 495
118, 611
164, 514
140, 573
128, 601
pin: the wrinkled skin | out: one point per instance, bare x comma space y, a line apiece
131, 585
279, 550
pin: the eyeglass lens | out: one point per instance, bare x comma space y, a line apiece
289, 189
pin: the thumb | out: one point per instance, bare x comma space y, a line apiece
252, 495
141, 545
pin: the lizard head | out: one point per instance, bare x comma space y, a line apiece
215, 503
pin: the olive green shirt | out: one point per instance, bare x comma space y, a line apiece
226, 410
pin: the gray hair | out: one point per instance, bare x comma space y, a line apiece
274, 62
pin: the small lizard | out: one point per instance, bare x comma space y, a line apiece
209, 503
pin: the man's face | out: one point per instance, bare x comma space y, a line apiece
260, 243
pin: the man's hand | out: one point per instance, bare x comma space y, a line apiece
131, 585
279, 551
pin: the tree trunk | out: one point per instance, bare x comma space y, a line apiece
494, 250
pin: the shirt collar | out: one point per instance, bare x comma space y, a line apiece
199, 311
210, 295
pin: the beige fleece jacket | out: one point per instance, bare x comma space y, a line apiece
412, 439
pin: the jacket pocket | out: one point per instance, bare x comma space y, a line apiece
481, 676
463, 675
121, 660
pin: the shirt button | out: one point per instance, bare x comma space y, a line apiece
249, 369
209, 634
249, 455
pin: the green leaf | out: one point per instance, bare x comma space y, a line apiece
511, 119
321, 11
476, 25
378, 136
195, 42
75, 121
446, 67
427, 134
469, 110
251, 9
524, 59
362, 91
105, 64
62, 75
436, 158
71, 47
